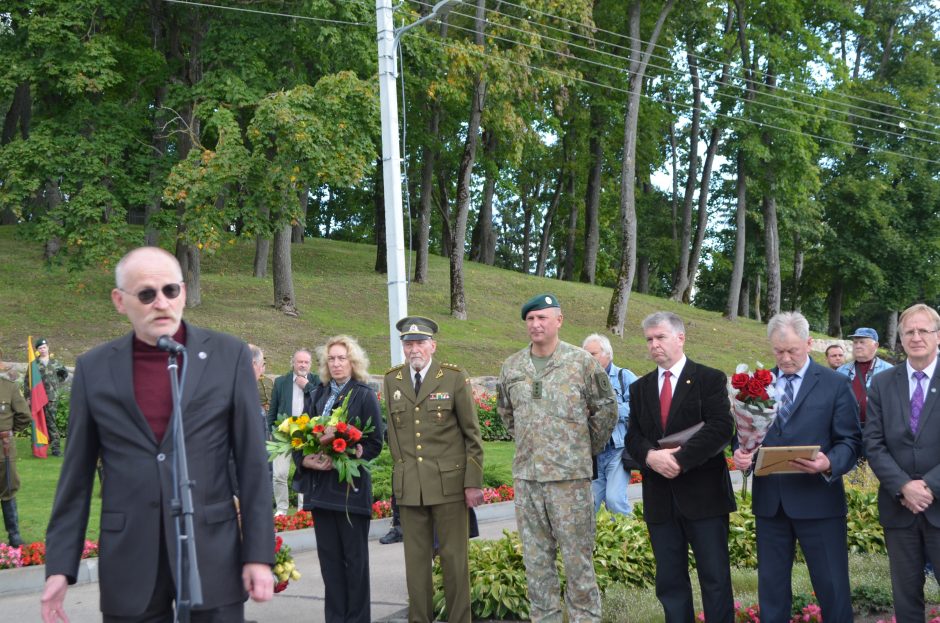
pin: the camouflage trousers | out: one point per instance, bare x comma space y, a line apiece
53, 429
554, 516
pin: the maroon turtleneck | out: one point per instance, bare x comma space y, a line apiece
152, 383
859, 389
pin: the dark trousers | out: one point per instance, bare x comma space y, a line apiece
907, 548
343, 551
160, 608
823, 542
709, 540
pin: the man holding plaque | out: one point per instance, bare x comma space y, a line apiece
687, 493
816, 407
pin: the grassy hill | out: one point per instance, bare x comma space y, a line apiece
338, 292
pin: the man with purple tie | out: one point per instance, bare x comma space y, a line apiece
902, 438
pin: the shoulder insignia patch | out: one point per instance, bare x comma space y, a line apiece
393, 368
439, 374
451, 366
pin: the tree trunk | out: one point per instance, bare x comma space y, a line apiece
458, 300
378, 203
592, 196
443, 206
480, 249
685, 239
798, 255
547, 227
284, 300
19, 114
429, 160
567, 272
298, 229
621, 295
745, 309
674, 164
526, 200
834, 302
190, 263
757, 301
891, 335
740, 220
643, 274
262, 246
771, 252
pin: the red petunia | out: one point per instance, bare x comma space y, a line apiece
339, 445
764, 376
739, 381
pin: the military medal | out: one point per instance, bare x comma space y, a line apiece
397, 395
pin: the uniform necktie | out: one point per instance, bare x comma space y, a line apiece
665, 398
417, 383
786, 401
917, 401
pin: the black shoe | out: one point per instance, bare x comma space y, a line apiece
392, 536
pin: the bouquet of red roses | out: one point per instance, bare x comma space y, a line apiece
753, 403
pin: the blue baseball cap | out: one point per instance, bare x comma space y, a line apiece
865, 332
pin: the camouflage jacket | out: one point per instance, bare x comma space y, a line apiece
54, 374
559, 417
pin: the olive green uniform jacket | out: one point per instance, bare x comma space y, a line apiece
434, 437
14, 416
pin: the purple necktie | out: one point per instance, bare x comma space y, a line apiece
917, 401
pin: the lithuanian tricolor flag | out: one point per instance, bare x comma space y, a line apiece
37, 403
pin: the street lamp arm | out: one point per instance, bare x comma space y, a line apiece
438, 10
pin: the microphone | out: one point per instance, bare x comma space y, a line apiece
170, 345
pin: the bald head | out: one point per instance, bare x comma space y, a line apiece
142, 257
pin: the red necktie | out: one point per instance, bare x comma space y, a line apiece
665, 398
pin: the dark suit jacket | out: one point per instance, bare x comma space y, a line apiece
895, 454
220, 419
703, 489
825, 413
282, 396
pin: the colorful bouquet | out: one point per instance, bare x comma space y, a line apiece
284, 569
333, 436
753, 403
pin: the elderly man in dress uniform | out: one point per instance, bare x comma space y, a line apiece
434, 439
14, 416
559, 405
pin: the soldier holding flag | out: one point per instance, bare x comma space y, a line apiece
47, 373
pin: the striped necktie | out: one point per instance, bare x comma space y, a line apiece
786, 401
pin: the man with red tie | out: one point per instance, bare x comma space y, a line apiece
687, 494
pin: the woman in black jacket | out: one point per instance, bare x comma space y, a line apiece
341, 513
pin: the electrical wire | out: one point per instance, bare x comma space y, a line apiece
623, 70
671, 69
761, 124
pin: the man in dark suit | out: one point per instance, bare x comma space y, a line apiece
120, 411
816, 407
687, 494
902, 438
291, 391
434, 439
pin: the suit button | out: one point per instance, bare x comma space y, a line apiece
419, 446
420, 458
417, 434
417, 421
417, 408
161, 457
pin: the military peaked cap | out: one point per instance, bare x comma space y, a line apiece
416, 328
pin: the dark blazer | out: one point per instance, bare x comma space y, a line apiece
323, 489
703, 489
825, 413
220, 419
895, 454
282, 396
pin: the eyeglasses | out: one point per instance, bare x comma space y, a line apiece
149, 295
921, 333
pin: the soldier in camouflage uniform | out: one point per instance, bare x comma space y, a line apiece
14, 416
54, 374
559, 405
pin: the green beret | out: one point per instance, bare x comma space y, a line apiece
39, 342
542, 301
416, 328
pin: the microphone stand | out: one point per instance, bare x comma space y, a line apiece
188, 581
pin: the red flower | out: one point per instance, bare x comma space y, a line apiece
354, 434
755, 387
318, 428
339, 445
341, 427
278, 541
764, 376
739, 381
280, 586
488, 423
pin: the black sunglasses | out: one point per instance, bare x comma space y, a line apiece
149, 295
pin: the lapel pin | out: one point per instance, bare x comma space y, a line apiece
202, 354
688, 381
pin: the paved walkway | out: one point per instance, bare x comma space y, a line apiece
303, 600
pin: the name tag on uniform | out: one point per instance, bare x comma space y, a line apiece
439, 396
